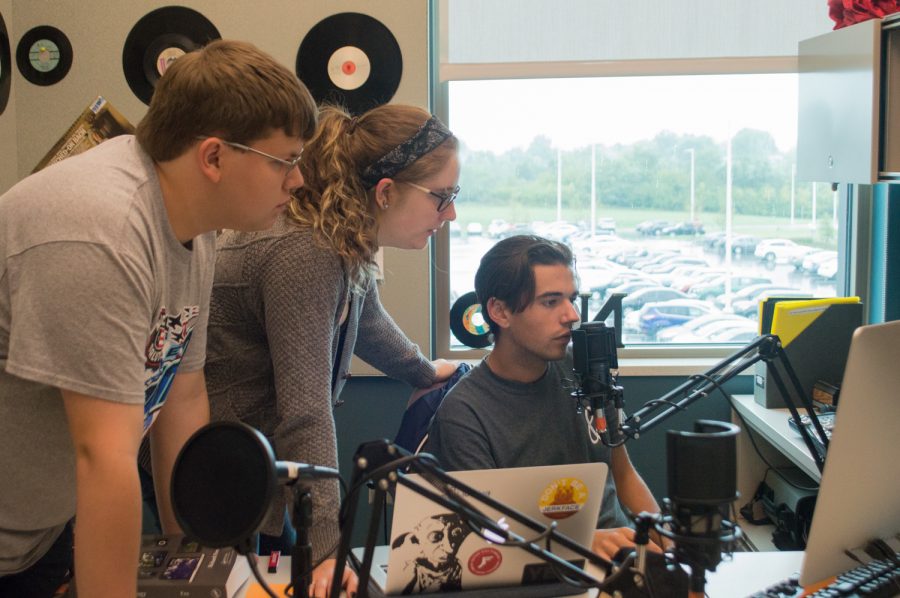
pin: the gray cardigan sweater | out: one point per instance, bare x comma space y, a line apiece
274, 332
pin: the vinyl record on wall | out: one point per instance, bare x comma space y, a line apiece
467, 322
350, 59
157, 39
44, 55
5, 65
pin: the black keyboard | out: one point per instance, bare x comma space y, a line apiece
877, 579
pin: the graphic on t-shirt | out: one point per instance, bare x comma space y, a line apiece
165, 348
563, 498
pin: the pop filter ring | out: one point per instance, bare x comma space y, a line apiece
223, 482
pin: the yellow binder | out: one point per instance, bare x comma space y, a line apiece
790, 318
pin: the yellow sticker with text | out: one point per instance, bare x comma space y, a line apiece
563, 498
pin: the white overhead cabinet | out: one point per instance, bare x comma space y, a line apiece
849, 104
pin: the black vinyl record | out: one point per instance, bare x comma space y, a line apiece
44, 55
350, 59
5, 65
157, 39
467, 322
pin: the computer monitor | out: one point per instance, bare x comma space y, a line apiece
859, 497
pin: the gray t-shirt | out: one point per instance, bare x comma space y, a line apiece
97, 296
488, 422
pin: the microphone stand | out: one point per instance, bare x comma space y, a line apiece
301, 555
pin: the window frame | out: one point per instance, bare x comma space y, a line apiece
853, 207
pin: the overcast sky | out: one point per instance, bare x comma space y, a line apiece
499, 115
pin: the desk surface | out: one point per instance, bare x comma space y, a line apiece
745, 574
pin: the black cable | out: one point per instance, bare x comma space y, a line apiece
251, 558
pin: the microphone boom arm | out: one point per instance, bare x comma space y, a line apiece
767, 348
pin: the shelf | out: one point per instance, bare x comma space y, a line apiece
772, 425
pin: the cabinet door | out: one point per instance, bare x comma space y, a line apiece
889, 169
838, 116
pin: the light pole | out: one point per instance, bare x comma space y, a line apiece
593, 190
558, 185
691, 152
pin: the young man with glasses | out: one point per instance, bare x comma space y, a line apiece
514, 409
292, 305
106, 266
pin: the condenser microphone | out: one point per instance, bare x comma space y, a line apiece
223, 482
594, 356
702, 485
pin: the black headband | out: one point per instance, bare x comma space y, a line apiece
429, 136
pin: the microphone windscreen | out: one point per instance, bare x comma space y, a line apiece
701, 464
222, 484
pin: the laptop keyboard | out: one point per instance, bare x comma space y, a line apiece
877, 579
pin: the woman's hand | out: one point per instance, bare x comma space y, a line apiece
321, 580
607, 542
443, 369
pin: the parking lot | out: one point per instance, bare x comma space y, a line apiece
605, 259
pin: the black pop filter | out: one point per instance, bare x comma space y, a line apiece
222, 483
701, 464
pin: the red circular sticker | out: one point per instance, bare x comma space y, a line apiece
485, 561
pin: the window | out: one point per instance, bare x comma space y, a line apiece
672, 180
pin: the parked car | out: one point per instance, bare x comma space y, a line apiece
734, 335
640, 297
699, 278
474, 229
632, 286
779, 251
718, 331
740, 245
828, 269
651, 227
711, 240
601, 283
716, 287
557, 231
520, 228
750, 307
654, 257
498, 227
668, 265
809, 263
605, 226
697, 323
683, 228
659, 315
745, 293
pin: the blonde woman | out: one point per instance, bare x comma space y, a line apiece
290, 306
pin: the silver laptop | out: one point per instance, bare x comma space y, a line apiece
859, 497
432, 549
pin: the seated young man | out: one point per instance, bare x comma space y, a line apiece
514, 409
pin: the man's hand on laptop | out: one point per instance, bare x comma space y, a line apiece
607, 542
321, 580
